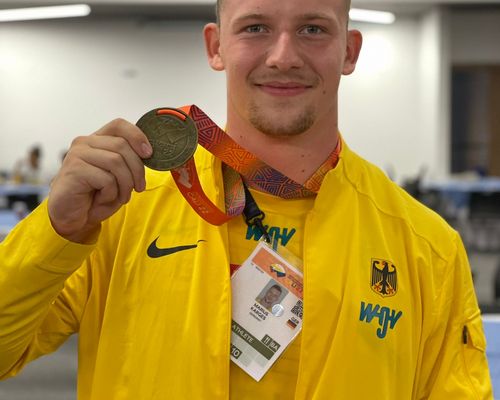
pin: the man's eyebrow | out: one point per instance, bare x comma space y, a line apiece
312, 16
303, 17
247, 17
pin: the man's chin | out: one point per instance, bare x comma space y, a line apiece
282, 124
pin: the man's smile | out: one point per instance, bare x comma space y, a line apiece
283, 88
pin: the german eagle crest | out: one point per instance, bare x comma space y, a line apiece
384, 277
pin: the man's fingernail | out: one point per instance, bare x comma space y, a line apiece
142, 186
147, 151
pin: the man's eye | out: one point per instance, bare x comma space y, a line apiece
312, 30
254, 29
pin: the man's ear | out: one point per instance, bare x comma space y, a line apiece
353, 48
212, 45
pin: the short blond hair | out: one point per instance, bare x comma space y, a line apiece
219, 5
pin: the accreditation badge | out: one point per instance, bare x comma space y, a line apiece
267, 310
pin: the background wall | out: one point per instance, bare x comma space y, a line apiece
61, 79
67, 78
391, 107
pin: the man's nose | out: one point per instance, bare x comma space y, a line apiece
284, 53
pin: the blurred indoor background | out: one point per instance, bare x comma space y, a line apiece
423, 104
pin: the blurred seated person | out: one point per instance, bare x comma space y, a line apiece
27, 170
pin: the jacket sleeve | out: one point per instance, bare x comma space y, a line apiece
457, 367
37, 312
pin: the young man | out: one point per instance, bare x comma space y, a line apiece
389, 306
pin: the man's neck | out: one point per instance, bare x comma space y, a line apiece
296, 157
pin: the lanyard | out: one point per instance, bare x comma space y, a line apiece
237, 163
257, 174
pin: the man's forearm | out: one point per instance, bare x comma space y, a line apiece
34, 264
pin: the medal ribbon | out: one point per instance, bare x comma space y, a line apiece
237, 163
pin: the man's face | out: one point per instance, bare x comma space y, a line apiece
283, 60
272, 295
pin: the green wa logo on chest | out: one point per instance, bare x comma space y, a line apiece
278, 235
387, 318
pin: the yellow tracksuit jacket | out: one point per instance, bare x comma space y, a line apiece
390, 311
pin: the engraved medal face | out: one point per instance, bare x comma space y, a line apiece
173, 140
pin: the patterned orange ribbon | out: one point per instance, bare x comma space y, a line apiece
238, 163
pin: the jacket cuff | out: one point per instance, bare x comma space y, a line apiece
52, 252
